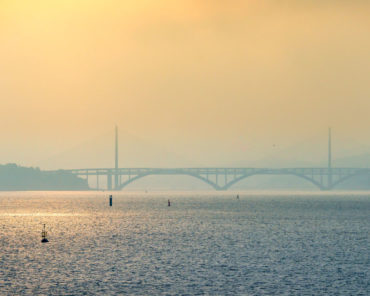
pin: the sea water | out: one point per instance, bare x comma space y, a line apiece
206, 243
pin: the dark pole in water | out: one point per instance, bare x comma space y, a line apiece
169, 203
44, 236
110, 200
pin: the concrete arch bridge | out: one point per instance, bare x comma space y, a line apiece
219, 178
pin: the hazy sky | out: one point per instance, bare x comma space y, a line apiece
205, 79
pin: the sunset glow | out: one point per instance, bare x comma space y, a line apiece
175, 72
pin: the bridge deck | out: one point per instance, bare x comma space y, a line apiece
323, 177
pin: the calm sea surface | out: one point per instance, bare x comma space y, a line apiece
205, 243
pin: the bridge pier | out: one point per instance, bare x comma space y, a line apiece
109, 180
330, 173
116, 182
87, 177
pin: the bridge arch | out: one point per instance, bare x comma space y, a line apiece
227, 185
140, 176
311, 180
345, 178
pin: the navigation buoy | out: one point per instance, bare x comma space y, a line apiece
44, 235
110, 200
169, 203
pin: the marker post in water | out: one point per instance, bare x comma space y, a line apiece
44, 235
110, 200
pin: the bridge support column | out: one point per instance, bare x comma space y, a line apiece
116, 180
116, 184
330, 173
109, 180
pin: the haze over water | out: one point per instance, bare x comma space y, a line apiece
189, 83
196, 83
205, 243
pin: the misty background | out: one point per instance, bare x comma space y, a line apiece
189, 83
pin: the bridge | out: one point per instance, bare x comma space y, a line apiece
325, 178
219, 178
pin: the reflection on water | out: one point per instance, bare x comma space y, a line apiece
41, 214
205, 243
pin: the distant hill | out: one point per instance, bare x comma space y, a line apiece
17, 178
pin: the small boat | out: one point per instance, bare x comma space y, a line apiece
44, 235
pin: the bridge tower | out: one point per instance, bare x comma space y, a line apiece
330, 179
116, 176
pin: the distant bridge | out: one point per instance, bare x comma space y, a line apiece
220, 178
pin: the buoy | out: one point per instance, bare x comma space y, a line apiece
237, 197
169, 203
110, 200
44, 235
